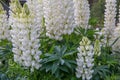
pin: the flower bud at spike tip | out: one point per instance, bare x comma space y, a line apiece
26, 9
97, 48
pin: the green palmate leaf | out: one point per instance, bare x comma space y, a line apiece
63, 50
51, 59
57, 49
55, 67
68, 64
63, 68
47, 67
102, 71
70, 53
62, 61
56, 63
48, 55
57, 74
71, 61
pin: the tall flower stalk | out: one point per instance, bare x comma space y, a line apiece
25, 37
59, 18
85, 60
110, 14
82, 13
4, 27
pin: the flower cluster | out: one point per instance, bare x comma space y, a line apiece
36, 8
85, 60
110, 14
116, 35
25, 37
4, 27
81, 12
118, 24
59, 18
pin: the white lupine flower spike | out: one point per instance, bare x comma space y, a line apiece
110, 14
109, 22
36, 8
82, 13
59, 18
116, 34
25, 38
85, 60
4, 27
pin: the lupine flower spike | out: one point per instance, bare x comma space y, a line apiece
110, 14
59, 18
25, 39
116, 36
36, 8
85, 60
82, 13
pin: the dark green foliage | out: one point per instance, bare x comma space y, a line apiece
9, 70
100, 72
106, 65
86, 32
57, 62
5, 54
3, 77
97, 13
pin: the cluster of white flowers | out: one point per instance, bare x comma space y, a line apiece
59, 18
110, 14
4, 27
118, 24
85, 60
116, 35
25, 37
36, 8
81, 12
